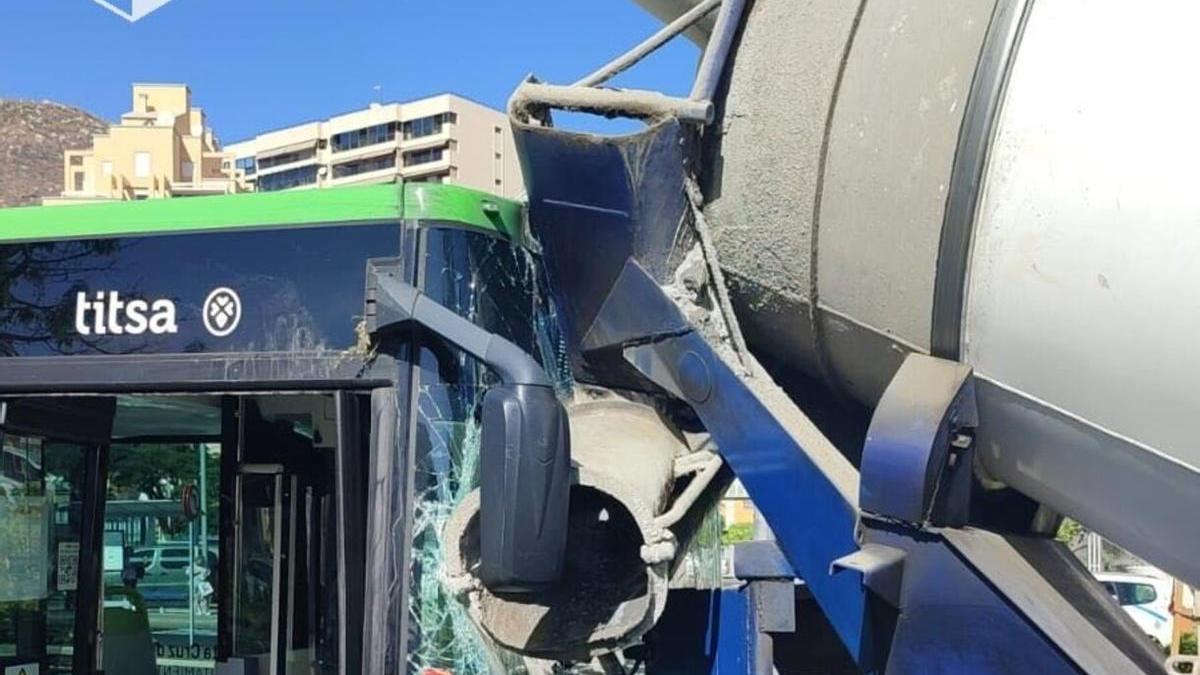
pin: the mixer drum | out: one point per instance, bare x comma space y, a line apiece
992, 182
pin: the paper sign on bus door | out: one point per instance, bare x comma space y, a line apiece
67, 572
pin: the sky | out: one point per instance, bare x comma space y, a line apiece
258, 65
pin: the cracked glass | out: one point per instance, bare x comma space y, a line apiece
498, 286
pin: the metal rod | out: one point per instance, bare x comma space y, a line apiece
532, 96
691, 493
717, 51
203, 449
696, 199
649, 46
192, 583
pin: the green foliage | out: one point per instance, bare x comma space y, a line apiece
37, 297
1187, 647
736, 533
160, 471
1069, 531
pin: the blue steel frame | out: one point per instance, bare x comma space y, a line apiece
902, 597
611, 220
753, 443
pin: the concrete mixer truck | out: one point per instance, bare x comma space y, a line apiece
917, 274
921, 276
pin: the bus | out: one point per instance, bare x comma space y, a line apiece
216, 460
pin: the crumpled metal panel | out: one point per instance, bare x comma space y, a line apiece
594, 202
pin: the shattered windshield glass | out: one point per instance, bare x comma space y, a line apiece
498, 286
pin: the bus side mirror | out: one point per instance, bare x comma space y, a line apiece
526, 448
525, 479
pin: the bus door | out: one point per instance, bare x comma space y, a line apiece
184, 534
50, 534
286, 590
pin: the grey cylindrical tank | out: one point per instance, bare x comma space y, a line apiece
1011, 184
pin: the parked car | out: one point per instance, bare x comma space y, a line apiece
1146, 599
165, 566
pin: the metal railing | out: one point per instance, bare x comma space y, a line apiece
532, 99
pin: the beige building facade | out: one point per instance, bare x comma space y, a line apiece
162, 147
444, 138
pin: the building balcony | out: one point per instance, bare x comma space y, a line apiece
417, 171
430, 141
361, 152
285, 167
384, 175
206, 186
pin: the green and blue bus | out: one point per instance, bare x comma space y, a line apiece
210, 461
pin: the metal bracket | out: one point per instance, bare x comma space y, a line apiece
774, 605
916, 461
881, 567
754, 560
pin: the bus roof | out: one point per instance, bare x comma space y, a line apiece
373, 203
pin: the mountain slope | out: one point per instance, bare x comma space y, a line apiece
33, 136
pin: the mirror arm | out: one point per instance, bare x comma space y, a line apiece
398, 302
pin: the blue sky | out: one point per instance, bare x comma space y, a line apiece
257, 65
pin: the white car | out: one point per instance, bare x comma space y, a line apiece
1146, 599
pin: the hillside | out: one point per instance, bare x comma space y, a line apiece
33, 136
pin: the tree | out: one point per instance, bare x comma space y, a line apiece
38, 285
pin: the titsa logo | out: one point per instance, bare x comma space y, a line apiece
106, 313
131, 10
222, 311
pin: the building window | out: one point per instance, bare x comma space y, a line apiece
76, 160
360, 138
106, 168
387, 161
79, 181
287, 158
141, 164
423, 156
187, 172
304, 175
429, 178
427, 126
246, 164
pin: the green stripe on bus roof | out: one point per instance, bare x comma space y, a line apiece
373, 203
439, 201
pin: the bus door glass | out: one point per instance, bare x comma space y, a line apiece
285, 591
161, 555
44, 508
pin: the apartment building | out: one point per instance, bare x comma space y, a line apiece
444, 138
162, 147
